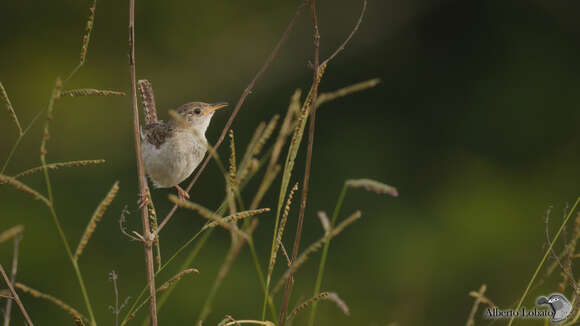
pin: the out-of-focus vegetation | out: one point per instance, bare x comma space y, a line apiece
475, 122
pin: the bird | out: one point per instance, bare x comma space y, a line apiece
559, 305
172, 150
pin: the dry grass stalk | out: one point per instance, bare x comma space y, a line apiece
306, 181
46, 134
78, 322
285, 253
307, 109
237, 216
143, 189
374, 186
88, 30
11, 233
59, 303
253, 322
345, 91
286, 127
280, 232
297, 263
148, 100
569, 250
177, 278
13, 272
95, 219
321, 296
15, 296
231, 188
11, 112
85, 40
266, 135
483, 299
113, 277
479, 298
90, 92
167, 285
22, 187
228, 319
56, 166
292, 153
232, 166
565, 262
324, 221
332, 296
206, 213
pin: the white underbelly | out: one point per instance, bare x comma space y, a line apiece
173, 162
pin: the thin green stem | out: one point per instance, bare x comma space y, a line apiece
19, 139
11, 153
261, 276
318, 283
70, 254
49, 109
544, 259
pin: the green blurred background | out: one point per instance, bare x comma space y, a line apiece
475, 122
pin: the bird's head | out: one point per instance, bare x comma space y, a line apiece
198, 114
555, 298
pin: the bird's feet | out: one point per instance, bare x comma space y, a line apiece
183, 195
143, 200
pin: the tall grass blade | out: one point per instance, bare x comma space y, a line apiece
543, 260
95, 219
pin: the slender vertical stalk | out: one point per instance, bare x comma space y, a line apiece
315, 82
318, 283
113, 277
148, 237
8, 309
15, 296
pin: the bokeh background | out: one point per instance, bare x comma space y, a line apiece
475, 122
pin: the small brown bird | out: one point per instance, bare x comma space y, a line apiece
172, 150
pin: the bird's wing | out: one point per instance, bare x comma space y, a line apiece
148, 100
157, 133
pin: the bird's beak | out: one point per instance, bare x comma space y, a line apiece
213, 107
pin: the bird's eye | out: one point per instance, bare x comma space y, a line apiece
197, 111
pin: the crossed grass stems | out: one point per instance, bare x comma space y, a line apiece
562, 260
236, 177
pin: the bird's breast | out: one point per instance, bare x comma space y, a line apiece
174, 160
